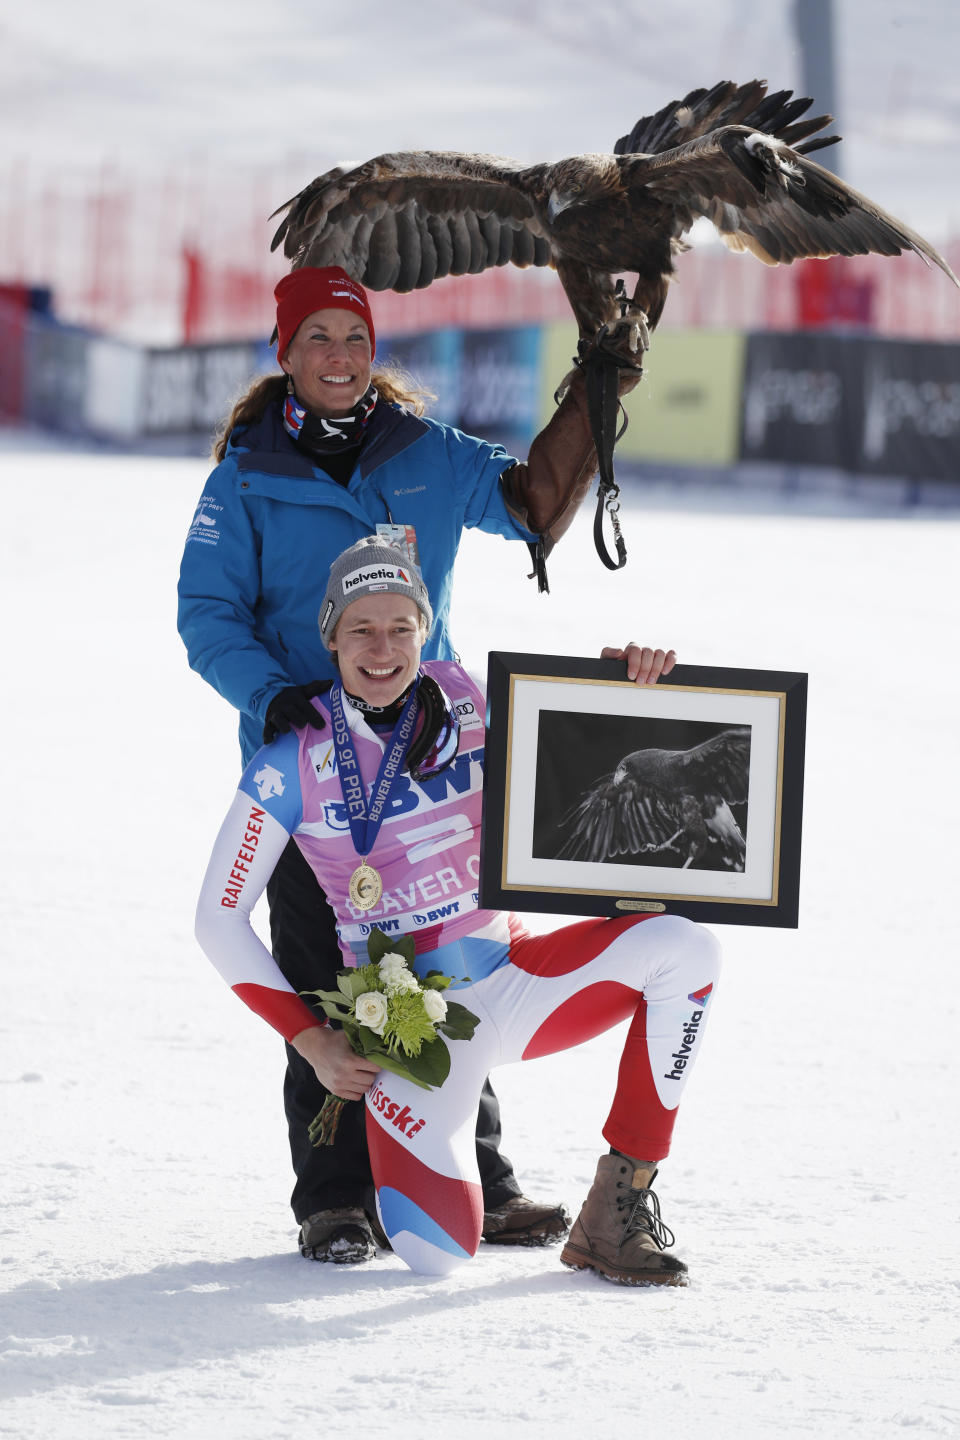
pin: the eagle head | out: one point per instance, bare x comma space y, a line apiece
579, 180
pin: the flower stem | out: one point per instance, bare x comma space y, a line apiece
322, 1129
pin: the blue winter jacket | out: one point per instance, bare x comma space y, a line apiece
270, 522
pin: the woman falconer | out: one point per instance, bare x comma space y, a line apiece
310, 461
390, 718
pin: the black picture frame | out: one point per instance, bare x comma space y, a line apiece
564, 773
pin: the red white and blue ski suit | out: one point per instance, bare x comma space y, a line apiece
534, 995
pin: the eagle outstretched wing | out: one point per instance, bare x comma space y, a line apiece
664, 799
728, 104
768, 198
401, 221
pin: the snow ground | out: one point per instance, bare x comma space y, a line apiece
151, 1285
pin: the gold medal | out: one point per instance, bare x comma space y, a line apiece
366, 887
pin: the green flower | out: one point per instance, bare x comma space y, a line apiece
408, 1026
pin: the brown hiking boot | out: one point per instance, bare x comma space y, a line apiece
525, 1222
619, 1232
342, 1235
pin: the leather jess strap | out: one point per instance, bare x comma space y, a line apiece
602, 373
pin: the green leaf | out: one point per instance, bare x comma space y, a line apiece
353, 983
435, 980
368, 1043
379, 945
406, 946
341, 1013
400, 1066
353, 1032
432, 1066
459, 1023
322, 994
331, 1002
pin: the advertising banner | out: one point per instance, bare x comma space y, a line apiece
191, 390
433, 362
55, 377
114, 389
13, 326
911, 409
686, 408
861, 404
499, 384
802, 400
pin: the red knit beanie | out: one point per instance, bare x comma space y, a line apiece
312, 288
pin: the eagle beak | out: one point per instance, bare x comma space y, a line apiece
557, 203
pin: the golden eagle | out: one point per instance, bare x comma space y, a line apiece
659, 800
733, 154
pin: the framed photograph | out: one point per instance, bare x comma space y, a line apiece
602, 797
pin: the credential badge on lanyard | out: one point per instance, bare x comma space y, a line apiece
403, 537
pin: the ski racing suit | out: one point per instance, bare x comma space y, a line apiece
534, 995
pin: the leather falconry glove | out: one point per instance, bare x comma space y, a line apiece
545, 493
290, 709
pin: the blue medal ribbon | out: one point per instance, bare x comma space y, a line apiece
364, 820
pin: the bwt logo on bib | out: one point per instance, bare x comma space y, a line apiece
380, 925
370, 577
443, 912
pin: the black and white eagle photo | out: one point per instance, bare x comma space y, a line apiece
679, 803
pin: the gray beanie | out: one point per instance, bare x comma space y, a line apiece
371, 567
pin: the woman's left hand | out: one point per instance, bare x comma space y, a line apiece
644, 665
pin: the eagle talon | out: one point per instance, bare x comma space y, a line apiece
624, 340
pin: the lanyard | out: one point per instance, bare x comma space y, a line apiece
365, 822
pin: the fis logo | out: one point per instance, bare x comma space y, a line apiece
323, 760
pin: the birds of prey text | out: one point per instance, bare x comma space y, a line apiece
733, 154
667, 800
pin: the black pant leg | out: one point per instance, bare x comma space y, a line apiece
304, 940
305, 947
497, 1180
330, 1175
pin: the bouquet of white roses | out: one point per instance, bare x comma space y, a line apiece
392, 1016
